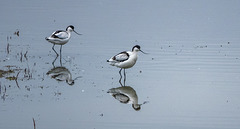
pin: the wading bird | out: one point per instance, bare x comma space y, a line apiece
61, 37
125, 60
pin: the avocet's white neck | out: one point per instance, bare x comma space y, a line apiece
69, 79
69, 29
135, 49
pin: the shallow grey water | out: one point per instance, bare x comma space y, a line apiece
189, 79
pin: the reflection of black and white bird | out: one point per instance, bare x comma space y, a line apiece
61, 74
127, 95
125, 60
61, 37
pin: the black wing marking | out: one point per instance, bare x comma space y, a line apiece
57, 34
123, 56
121, 97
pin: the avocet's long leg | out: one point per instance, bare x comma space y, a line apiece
124, 77
54, 49
54, 61
61, 50
120, 77
61, 55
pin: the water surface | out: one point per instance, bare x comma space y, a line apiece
190, 78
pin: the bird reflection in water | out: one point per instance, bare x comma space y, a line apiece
126, 95
61, 73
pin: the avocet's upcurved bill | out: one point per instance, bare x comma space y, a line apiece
61, 37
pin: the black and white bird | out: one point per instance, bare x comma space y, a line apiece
61, 37
125, 60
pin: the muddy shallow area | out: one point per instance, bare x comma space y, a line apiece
190, 78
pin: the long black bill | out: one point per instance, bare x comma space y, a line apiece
77, 32
145, 102
144, 52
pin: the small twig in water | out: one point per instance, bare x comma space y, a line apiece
34, 124
8, 48
21, 56
16, 33
25, 55
16, 79
5, 90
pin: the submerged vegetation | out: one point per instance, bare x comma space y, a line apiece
3, 73
14, 72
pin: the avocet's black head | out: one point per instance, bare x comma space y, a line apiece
136, 107
70, 82
137, 47
70, 26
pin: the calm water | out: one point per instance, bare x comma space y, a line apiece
190, 78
